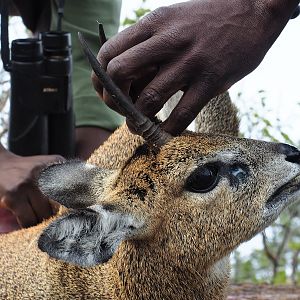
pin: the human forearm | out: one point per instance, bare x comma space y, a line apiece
18, 190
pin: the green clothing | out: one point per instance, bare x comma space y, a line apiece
81, 15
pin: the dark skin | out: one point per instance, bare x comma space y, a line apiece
201, 47
18, 191
89, 139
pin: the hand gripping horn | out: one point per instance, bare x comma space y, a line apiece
142, 125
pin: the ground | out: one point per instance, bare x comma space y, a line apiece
263, 292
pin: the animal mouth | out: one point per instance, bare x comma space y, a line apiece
285, 194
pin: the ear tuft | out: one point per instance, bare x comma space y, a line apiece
85, 237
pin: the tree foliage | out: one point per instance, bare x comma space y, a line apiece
138, 14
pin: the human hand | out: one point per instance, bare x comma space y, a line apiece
199, 47
18, 191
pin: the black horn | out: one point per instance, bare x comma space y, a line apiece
143, 126
102, 36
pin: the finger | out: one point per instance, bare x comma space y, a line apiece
137, 86
159, 91
146, 75
40, 205
131, 63
46, 159
19, 205
124, 40
193, 100
43, 160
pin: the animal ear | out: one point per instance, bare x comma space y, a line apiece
74, 184
86, 237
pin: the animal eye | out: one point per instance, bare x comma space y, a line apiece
202, 180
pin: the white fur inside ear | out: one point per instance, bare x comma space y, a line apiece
116, 220
87, 237
89, 166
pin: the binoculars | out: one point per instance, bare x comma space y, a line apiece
41, 114
41, 104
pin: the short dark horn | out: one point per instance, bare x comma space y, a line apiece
143, 126
102, 36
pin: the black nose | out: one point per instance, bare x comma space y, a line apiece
292, 153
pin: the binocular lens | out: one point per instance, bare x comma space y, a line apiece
26, 50
56, 43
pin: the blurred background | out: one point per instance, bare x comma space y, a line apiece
269, 107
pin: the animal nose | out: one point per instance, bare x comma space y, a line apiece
292, 153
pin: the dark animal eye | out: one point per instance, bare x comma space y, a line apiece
202, 180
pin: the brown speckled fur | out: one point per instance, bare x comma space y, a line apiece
183, 251
218, 116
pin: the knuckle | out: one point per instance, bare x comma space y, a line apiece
103, 55
143, 26
115, 69
151, 100
107, 51
171, 38
186, 114
210, 77
156, 17
162, 12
